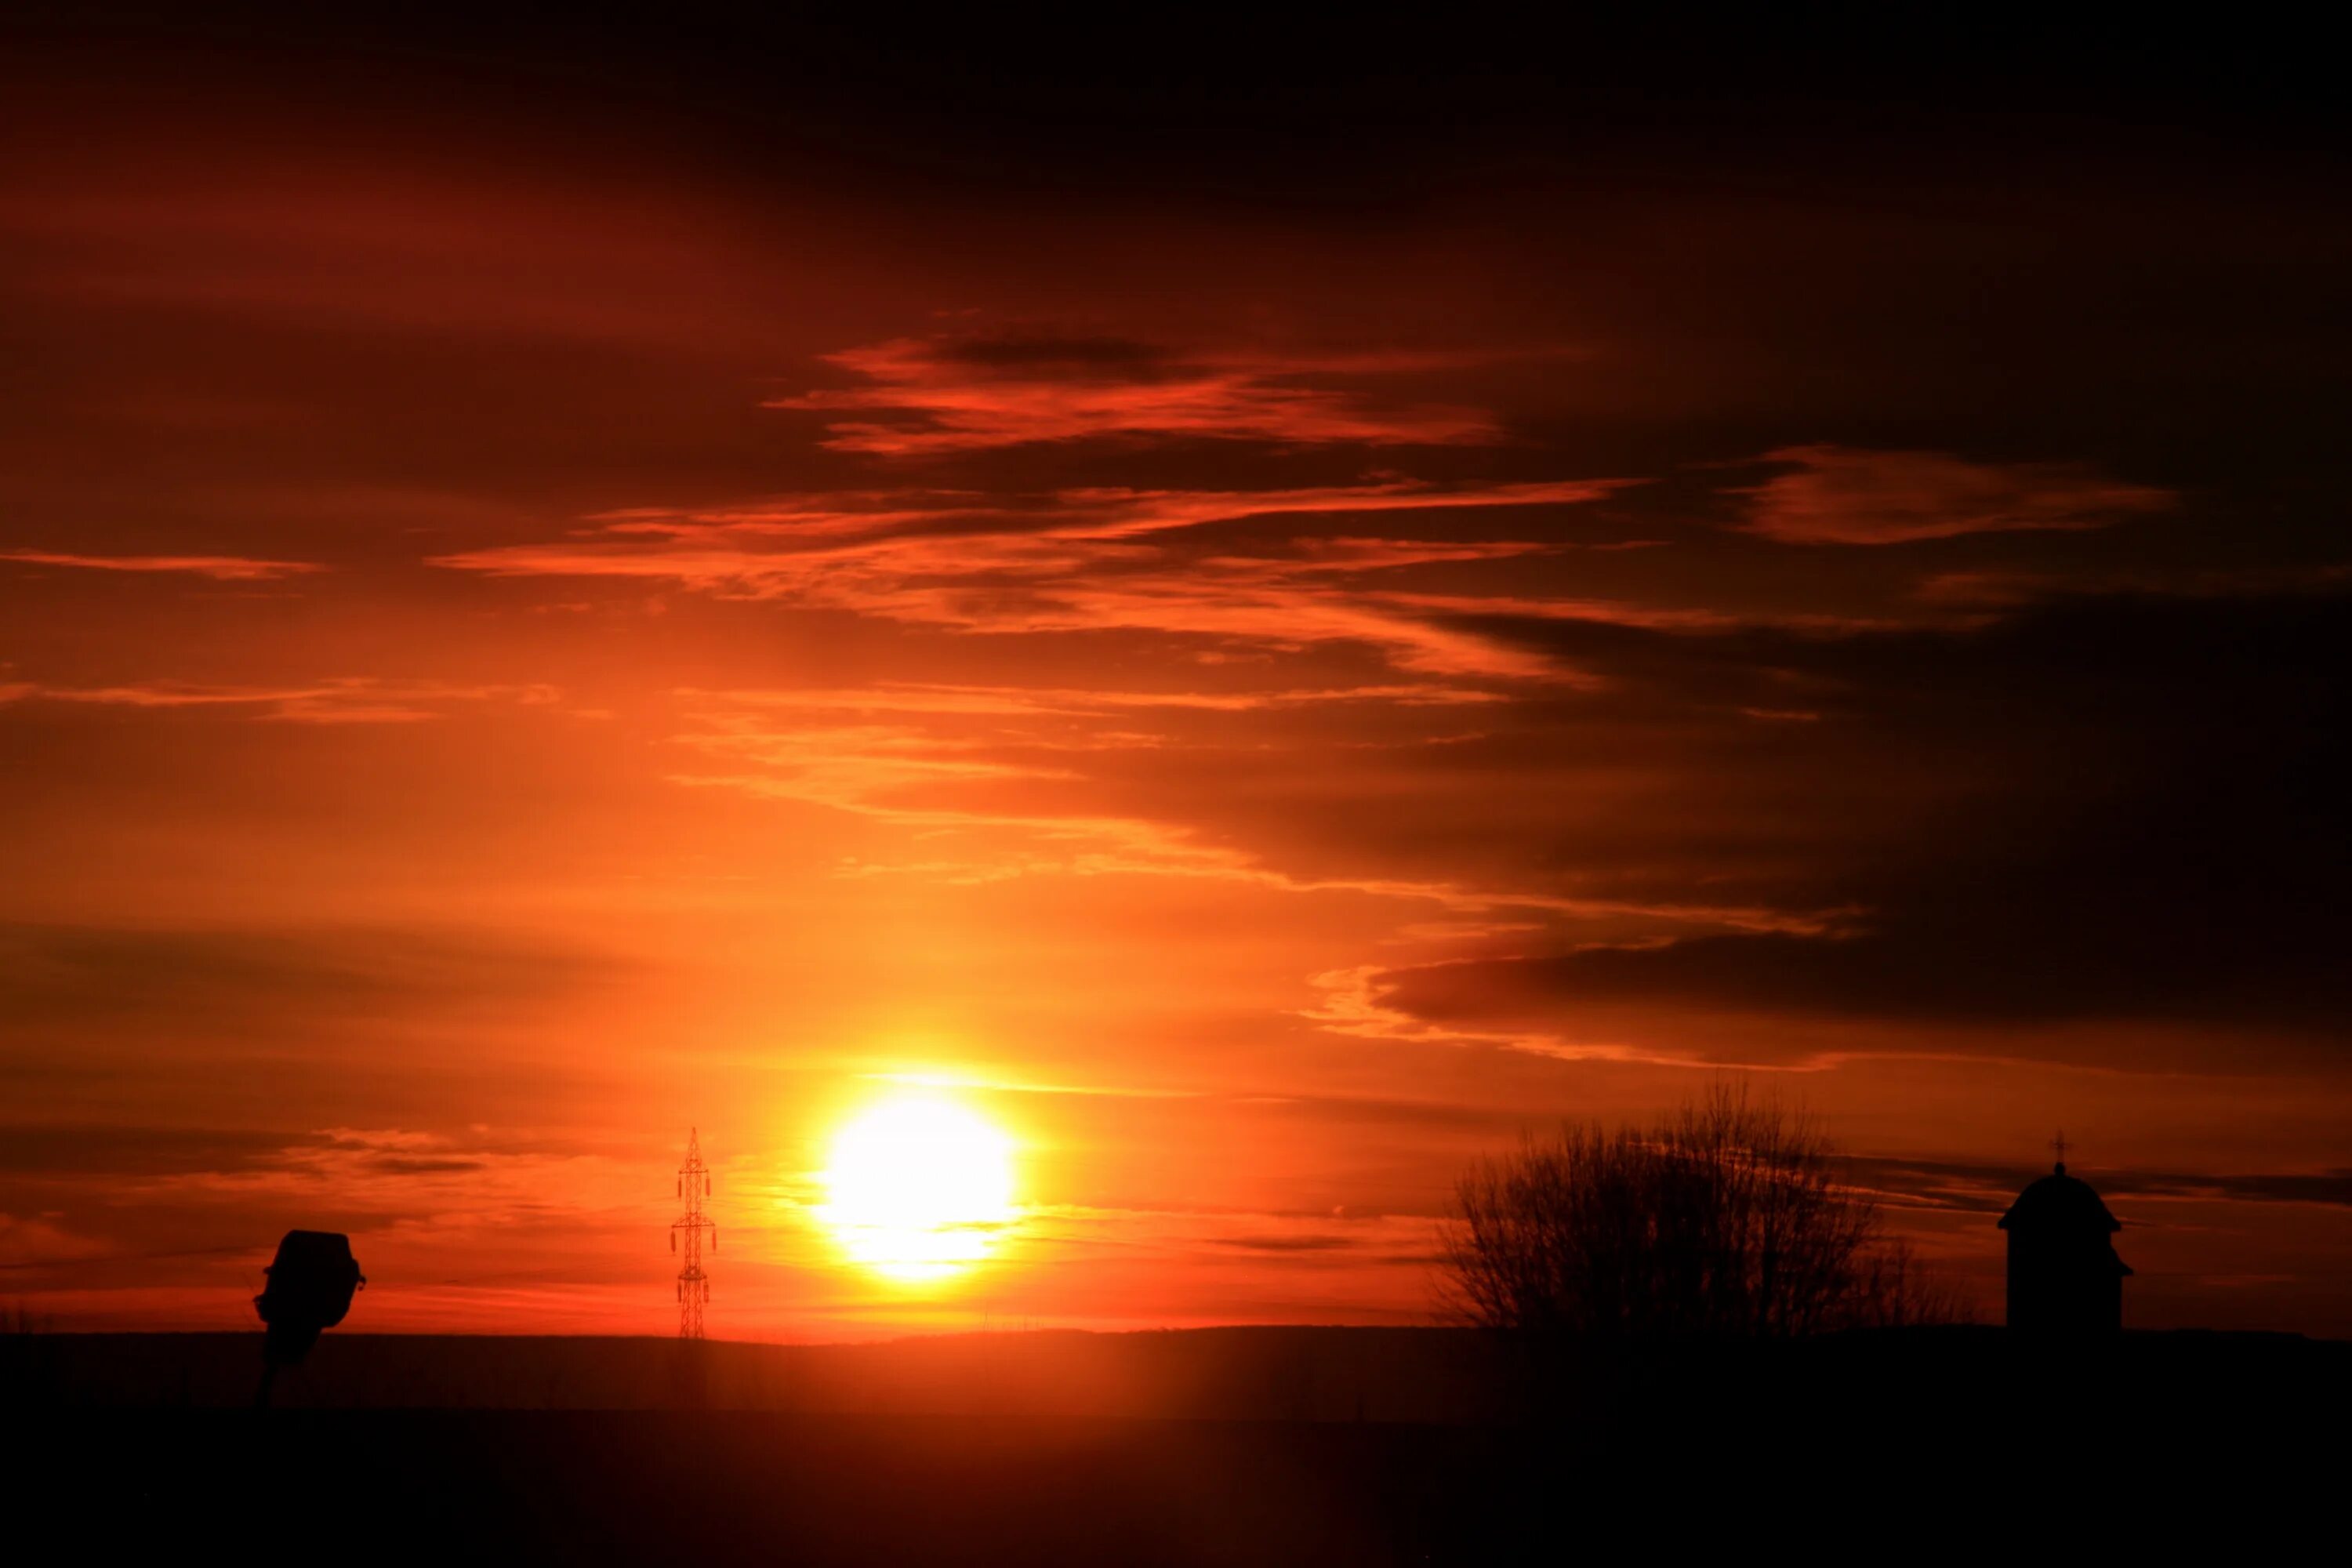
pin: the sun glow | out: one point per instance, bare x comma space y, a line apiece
919, 1188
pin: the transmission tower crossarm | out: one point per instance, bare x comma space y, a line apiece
691, 1227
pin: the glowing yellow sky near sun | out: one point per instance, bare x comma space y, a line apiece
919, 1188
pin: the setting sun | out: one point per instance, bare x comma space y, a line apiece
919, 1188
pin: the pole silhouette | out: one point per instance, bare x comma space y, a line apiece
693, 1284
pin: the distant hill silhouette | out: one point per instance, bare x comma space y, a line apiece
1962, 1376
1245, 1445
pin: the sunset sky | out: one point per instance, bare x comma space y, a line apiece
1261, 632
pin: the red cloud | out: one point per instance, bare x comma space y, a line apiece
952, 762
1080, 560
350, 699
933, 395
220, 568
1842, 495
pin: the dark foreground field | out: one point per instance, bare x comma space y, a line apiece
1883, 1446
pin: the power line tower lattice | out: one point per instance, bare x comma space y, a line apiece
693, 1284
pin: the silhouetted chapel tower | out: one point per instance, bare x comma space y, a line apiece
2063, 1274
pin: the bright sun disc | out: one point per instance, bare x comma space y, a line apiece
918, 1189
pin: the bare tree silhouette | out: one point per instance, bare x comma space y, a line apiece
1730, 1217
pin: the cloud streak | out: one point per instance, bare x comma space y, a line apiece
933, 396
996, 774
1082, 560
350, 699
1845, 495
219, 568
2063, 843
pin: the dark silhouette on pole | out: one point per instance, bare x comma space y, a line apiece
310, 1290
2063, 1274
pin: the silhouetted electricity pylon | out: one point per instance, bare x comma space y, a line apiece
693, 1284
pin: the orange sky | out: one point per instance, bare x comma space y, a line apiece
533, 619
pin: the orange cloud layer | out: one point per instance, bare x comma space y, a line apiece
1082, 560
1176, 657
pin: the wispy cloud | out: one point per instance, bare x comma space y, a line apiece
924, 396
1980, 1188
354, 700
743, 545
962, 766
1010, 701
220, 568
1845, 495
1073, 561
381, 1179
